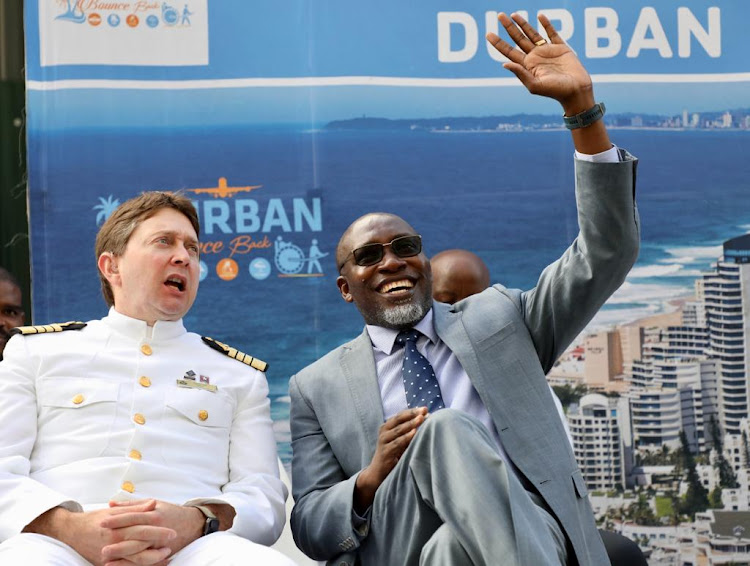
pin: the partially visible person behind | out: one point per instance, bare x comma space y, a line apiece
128, 440
11, 309
456, 274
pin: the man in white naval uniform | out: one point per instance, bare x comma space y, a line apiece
128, 440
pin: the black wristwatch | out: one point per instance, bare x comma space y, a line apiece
212, 523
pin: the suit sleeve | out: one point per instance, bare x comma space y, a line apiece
572, 289
22, 499
322, 517
254, 488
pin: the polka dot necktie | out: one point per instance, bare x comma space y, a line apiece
420, 383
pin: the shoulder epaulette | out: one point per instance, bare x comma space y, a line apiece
45, 328
235, 354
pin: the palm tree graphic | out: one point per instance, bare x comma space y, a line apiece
106, 208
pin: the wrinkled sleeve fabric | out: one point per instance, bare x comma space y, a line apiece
323, 519
22, 499
572, 289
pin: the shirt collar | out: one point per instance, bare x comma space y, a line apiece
139, 329
383, 339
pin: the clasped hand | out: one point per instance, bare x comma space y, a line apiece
142, 532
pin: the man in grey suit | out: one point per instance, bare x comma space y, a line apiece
379, 475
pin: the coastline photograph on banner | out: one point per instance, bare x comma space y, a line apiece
283, 124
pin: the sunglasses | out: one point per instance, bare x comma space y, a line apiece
370, 254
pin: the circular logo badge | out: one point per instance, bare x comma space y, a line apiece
95, 19
169, 15
260, 268
152, 21
132, 20
227, 269
204, 270
113, 20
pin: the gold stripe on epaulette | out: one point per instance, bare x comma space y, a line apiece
235, 354
47, 328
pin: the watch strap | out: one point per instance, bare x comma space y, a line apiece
585, 118
212, 522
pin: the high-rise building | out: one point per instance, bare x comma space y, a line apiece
727, 311
603, 453
673, 388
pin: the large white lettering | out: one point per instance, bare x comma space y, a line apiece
603, 36
688, 25
445, 22
607, 32
648, 24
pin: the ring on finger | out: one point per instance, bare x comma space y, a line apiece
540, 42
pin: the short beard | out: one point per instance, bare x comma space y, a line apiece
403, 316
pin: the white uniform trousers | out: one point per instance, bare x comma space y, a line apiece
222, 548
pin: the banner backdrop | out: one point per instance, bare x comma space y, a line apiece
284, 121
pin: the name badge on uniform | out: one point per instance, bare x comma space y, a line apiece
196, 385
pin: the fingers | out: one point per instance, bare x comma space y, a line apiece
505, 48
150, 556
134, 503
403, 417
550, 29
530, 37
125, 548
128, 519
524, 35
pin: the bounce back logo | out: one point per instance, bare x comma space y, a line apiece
243, 236
141, 32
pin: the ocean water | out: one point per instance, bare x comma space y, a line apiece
506, 196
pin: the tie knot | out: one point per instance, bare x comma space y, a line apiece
411, 335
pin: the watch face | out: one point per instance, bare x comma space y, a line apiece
212, 525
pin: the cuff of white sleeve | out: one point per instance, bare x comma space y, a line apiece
610, 155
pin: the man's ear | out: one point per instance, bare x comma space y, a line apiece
108, 266
343, 285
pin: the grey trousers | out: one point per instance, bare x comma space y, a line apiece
452, 501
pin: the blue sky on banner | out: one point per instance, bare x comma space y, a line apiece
322, 60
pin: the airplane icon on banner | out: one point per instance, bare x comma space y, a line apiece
224, 191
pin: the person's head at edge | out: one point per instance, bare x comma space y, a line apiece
11, 309
148, 257
394, 292
456, 274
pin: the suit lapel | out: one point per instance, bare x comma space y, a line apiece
450, 328
358, 366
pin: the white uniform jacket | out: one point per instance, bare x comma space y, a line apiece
96, 414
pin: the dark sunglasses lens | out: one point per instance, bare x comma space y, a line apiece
368, 255
407, 246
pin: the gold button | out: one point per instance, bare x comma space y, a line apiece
144, 381
146, 349
203, 414
139, 418
128, 486
78, 399
135, 455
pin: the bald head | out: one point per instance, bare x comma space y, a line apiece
456, 274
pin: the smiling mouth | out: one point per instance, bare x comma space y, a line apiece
396, 287
176, 282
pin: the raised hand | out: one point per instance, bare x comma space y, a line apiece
545, 68
551, 69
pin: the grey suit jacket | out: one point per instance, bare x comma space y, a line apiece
506, 341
